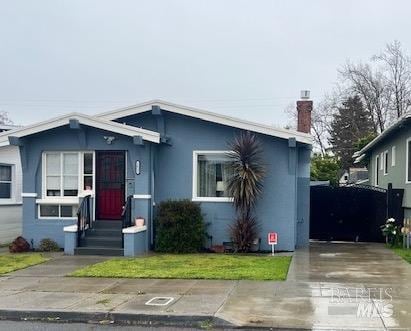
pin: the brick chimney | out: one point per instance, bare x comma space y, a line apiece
304, 109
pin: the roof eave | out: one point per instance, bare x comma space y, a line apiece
85, 120
208, 116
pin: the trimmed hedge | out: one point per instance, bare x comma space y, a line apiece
180, 227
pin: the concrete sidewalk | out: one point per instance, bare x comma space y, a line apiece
305, 301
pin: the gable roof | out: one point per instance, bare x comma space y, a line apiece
98, 123
361, 154
207, 116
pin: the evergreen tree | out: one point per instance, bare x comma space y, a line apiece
350, 124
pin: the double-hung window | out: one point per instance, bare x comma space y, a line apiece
68, 173
211, 171
5, 181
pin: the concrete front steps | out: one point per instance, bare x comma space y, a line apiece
105, 238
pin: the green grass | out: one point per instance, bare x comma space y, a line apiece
13, 262
192, 266
404, 253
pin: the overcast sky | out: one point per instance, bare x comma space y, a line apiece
248, 59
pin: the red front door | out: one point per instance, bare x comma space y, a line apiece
110, 184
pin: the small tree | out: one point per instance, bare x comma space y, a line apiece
245, 186
325, 167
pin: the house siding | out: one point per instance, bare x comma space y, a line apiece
167, 173
11, 209
396, 174
287, 171
65, 139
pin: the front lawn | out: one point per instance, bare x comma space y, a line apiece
13, 262
192, 266
404, 253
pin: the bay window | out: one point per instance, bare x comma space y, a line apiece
211, 171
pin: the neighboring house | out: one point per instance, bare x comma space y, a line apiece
10, 191
388, 159
149, 153
354, 176
358, 176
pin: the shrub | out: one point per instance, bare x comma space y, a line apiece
48, 245
243, 232
19, 245
180, 227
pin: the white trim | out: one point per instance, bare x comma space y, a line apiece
29, 195
135, 229
54, 217
194, 196
70, 228
212, 199
393, 155
406, 160
382, 163
142, 196
99, 123
58, 201
12, 183
385, 162
207, 116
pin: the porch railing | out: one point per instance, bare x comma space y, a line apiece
126, 214
84, 221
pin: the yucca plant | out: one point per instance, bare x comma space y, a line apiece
245, 186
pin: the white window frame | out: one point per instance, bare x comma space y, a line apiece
195, 173
80, 175
11, 182
406, 160
377, 164
393, 155
382, 163
385, 162
72, 202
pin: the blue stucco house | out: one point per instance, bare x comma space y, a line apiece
144, 154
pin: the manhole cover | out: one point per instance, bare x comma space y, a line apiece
159, 301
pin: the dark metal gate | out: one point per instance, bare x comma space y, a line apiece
353, 213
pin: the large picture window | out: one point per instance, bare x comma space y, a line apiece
211, 171
68, 173
5, 181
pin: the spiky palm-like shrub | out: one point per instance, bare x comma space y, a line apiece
245, 186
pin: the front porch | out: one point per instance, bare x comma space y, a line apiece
78, 175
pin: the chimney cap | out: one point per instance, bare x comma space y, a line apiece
305, 94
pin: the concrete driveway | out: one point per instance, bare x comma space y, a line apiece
327, 284
330, 286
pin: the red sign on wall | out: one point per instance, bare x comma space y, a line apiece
272, 238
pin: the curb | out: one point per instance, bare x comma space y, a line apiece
115, 318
